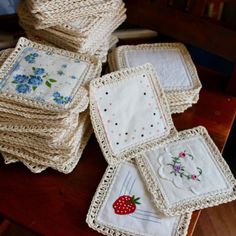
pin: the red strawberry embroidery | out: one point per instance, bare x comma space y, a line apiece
125, 204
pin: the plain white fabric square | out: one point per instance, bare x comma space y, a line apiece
169, 64
145, 220
186, 169
130, 111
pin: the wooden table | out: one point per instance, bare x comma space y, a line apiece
55, 204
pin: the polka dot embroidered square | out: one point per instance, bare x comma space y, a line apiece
129, 108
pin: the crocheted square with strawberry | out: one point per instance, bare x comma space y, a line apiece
127, 206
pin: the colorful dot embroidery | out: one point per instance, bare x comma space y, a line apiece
134, 110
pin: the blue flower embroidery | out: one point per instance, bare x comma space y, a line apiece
38, 71
64, 66
60, 99
23, 88
20, 79
56, 95
31, 57
35, 80
73, 77
77, 61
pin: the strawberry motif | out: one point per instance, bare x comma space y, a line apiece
125, 204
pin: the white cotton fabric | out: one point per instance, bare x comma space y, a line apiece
146, 220
130, 112
67, 74
169, 64
176, 188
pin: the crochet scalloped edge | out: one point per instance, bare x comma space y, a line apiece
201, 201
99, 129
99, 198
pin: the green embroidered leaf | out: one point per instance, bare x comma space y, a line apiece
34, 88
48, 84
199, 170
33, 68
14, 82
52, 80
190, 156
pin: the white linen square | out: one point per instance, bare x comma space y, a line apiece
143, 219
169, 64
186, 169
130, 111
44, 76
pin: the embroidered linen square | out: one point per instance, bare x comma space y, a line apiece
129, 112
45, 77
173, 64
187, 173
122, 206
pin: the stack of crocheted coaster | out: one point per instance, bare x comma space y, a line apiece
80, 26
43, 122
156, 176
173, 64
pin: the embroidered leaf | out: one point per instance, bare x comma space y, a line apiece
14, 82
33, 68
52, 80
34, 88
48, 84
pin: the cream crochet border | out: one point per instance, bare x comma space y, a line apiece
93, 71
199, 202
74, 43
99, 198
65, 168
58, 6
45, 18
175, 96
98, 127
59, 163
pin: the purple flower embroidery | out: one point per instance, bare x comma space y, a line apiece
177, 168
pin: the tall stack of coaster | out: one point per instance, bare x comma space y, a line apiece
43, 101
80, 26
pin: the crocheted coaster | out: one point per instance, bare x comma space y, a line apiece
85, 44
44, 77
62, 162
33, 164
129, 112
44, 17
122, 206
187, 173
173, 64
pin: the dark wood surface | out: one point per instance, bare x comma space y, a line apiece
51, 203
